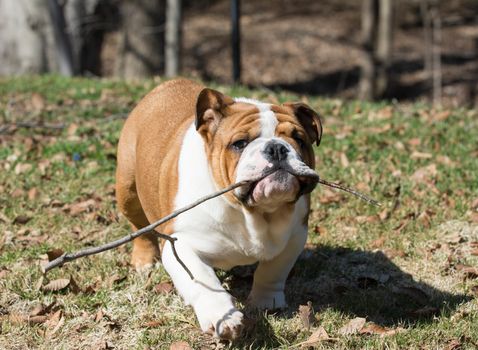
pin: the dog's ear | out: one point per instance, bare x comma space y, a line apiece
210, 106
309, 119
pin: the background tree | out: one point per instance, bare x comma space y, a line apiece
377, 36
173, 37
141, 49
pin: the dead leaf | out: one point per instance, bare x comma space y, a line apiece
37, 101
415, 294
153, 324
424, 219
81, 207
378, 243
180, 345
353, 326
468, 271
72, 129
99, 315
344, 161
21, 168
56, 327
425, 174
36, 319
426, 311
453, 345
17, 193
56, 285
414, 142
306, 314
163, 288
33, 193
316, 337
54, 253
21, 220
420, 155
373, 328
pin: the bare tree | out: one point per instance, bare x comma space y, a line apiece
368, 66
173, 38
62, 40
141, 51
432, 47
377, 35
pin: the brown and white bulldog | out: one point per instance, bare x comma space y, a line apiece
184, 141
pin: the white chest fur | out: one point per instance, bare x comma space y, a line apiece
220, 233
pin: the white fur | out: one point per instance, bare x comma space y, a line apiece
267, 118
218, 234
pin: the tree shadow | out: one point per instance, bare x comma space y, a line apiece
355, 282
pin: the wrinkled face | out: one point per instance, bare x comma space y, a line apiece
272, 144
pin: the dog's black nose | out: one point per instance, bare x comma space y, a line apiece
275, 152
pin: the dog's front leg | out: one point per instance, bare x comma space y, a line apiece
270, 276
213, 306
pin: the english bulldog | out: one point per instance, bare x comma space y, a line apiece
184, 141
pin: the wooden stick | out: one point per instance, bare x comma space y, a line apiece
351, 191
67, 257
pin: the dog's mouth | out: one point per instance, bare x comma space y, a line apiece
281, 183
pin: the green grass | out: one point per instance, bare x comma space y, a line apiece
386, 264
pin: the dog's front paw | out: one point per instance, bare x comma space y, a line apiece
221, 320
264, 299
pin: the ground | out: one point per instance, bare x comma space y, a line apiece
314, 47
407, 269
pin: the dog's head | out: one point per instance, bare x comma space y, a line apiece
246, 139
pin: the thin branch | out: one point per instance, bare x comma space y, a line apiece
351, 191
67, 257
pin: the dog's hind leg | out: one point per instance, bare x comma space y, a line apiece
145, 248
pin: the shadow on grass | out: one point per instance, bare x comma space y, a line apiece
355, 282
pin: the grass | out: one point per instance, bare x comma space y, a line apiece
401, 265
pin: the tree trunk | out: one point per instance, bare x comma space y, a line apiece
368, 67
62, 40
173, 37
437, 73
23, 37
142, 39
384, 46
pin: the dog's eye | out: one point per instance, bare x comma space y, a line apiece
299, 141
239, 145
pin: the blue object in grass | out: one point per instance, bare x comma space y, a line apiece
76, 157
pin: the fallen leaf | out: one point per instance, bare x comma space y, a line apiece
17, 193
344, 161
56, 285
57, 326
306, 314
180, 345
36, 319
54, 253
373, 328
99, 315
41, 309
316, 337
81, 207
353, 326
21, 220
453, 345
163, 288
153, 324
417, 295
468, 271
21, 168
426, 311
33, 193
37, 101
425, 174
420, 155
